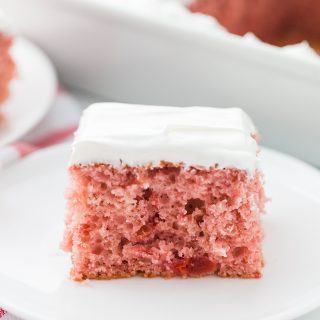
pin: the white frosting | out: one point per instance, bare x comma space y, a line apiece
138, 135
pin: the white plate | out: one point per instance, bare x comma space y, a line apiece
145, 54
34, 272
32, 91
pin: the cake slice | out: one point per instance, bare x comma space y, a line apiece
164, 191
6, 62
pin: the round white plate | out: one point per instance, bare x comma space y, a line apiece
34, 272
31, 91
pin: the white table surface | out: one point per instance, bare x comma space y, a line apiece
86, 98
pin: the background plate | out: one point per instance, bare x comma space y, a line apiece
32, 91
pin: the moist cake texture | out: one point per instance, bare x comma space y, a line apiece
164, 191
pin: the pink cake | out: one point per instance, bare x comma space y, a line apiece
164, 191
6, 66
279, 22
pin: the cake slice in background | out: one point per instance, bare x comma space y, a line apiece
164, 191
7, 67
279, 23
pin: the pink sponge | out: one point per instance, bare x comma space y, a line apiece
6, 66
169, 220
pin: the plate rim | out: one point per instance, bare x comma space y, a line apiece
292, 64
23, 44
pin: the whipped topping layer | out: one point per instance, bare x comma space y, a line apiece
118, 134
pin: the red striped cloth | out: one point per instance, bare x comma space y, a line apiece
58, 126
